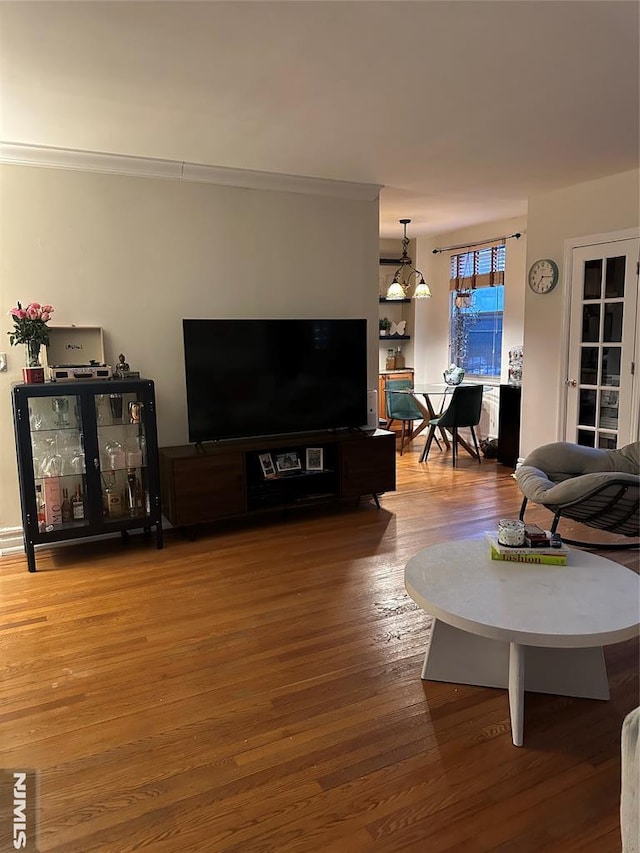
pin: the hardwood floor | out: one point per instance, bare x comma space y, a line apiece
258, 689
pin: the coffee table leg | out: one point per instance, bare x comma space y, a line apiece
516, 692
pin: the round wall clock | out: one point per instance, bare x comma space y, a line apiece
543, 275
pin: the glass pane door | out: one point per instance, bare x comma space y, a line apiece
59, 472
603, 308
122, 445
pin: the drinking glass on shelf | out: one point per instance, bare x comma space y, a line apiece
60, 406
101, 416
133, 451
115, 455
53, 462
77, 463
115, 403
40, 416
39, 449
36, 420
134, 458
37, 466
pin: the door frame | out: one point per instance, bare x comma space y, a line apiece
567, 267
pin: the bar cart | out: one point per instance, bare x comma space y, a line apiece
87, 460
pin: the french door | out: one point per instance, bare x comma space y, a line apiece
602, 395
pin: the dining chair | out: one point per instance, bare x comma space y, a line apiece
401, 406
464, 410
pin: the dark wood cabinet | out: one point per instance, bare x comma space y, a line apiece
368, 467
198, 487
206, 483
509, 425
87, 460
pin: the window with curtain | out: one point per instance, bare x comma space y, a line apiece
476, 310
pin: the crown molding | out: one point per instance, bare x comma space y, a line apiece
87, 161
148, 167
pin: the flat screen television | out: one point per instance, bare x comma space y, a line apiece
270, 377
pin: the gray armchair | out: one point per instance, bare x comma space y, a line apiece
596, 487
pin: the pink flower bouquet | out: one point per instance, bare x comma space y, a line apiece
30, 328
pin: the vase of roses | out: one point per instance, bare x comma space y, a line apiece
30, 328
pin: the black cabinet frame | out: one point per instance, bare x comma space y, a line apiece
96, 521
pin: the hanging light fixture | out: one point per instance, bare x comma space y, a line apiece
401, 285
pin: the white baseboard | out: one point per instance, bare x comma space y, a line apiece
11, 541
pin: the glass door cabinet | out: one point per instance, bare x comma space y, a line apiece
87, 460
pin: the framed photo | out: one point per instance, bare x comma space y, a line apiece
266, 463
286, 462
315, 459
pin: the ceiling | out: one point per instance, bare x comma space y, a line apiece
461, 110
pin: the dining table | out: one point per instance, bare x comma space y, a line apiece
424, 395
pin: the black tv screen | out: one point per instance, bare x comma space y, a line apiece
270, 377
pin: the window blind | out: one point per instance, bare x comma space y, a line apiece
479, 268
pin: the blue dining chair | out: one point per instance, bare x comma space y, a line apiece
401, 406
464, 410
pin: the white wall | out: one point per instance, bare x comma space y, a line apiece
606, 205
135, 255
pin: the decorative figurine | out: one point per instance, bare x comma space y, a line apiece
515, 366
453, 375
135, 411
122, 368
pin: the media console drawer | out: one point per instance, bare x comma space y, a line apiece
200, 488
215, 481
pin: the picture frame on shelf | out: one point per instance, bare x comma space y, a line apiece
268, 468
314, 459
287, 462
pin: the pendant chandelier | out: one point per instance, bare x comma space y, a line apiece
402, 284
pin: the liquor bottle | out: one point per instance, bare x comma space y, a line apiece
131, 491
67, 512
140, 499
77, 505
114, 502
40, 507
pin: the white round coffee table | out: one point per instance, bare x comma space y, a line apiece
520, 626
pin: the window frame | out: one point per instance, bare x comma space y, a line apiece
470, 271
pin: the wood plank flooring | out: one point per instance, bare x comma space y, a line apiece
258, 689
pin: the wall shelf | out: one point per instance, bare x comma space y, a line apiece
394, 337
393, 301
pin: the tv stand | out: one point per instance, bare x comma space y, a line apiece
201, 484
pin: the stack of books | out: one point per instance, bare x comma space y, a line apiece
545, 554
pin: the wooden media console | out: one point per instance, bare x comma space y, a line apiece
205, 483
